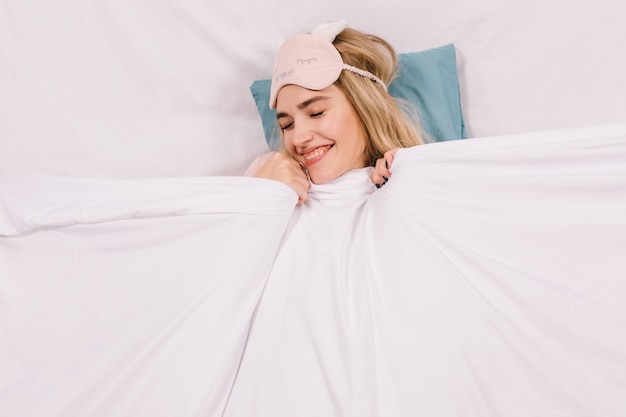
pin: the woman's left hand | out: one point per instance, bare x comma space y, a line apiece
382, 172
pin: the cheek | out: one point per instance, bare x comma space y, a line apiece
357, 140
352, 129
288, 144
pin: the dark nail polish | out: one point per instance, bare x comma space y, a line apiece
386, 165
385, 178
377, 185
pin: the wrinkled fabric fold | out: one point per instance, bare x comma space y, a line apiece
130, 297
485, 278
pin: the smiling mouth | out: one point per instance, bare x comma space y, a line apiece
315, 154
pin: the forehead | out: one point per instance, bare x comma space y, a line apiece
293, 97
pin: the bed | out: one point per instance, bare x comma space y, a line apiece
142, 274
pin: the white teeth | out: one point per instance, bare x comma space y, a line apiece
315, 153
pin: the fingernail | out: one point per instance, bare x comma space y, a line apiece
377, 185
385, 178
386, 164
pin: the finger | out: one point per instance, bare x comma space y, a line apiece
300, 187
381, 174
304, 169
388, 161
388, 157
300, 183
304, 190
288, 171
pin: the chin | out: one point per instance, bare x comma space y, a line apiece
322, 178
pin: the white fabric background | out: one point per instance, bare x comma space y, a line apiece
146, 88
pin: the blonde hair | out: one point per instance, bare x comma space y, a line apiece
388, 122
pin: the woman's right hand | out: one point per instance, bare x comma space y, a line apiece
280, 167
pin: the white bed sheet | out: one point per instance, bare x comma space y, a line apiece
130, 298
486, 278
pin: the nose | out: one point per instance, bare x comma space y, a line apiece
301, 134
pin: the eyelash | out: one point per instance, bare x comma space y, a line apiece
290, 124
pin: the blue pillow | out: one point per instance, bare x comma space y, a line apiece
427, 79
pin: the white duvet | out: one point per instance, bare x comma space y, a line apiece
487, 278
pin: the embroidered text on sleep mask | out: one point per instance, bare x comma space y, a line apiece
310, 61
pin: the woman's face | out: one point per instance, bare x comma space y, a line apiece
321, 130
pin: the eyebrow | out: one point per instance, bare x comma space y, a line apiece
304, 105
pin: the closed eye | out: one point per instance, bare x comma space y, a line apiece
287, 126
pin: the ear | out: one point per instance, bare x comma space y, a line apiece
279, 43
329, 30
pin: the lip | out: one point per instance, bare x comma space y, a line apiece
315, 159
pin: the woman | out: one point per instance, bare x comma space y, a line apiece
468, 286
333, 108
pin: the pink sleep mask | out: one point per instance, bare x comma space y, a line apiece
310, 61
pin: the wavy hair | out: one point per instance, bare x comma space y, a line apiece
389, 122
